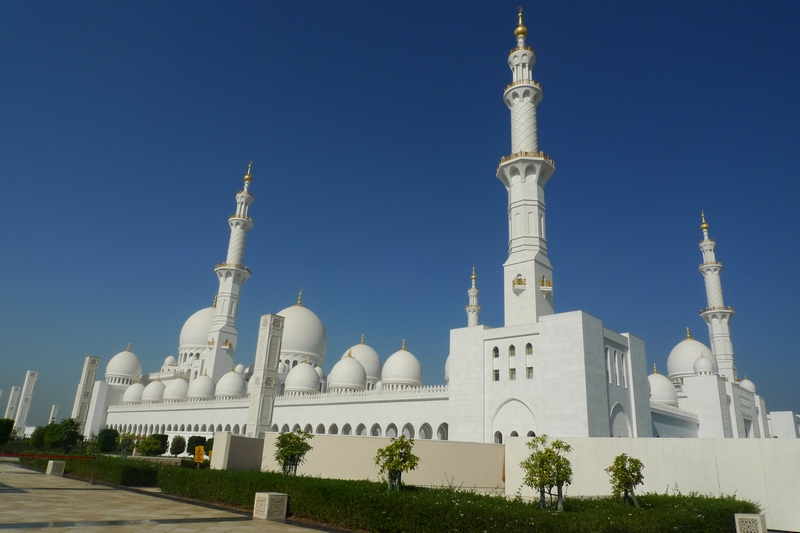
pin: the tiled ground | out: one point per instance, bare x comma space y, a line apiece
31, 501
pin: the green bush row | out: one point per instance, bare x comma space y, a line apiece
130, 472
368, 506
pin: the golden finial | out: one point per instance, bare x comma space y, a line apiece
362, 338
300, 298
205, 372
128, 349
474, 277
215, 301
247, 177
158, 377
350, 353
305, 359
704, 225
654, 369
520, 31
404, 345
688, 335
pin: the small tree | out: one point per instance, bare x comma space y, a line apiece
37, 438
193, 442
209, 445
107, 440
291, 449
395, 459
151, 446
546, 467
6, 427
126, 441
178, 445
626, 474
63, 435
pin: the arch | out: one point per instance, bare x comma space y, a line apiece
285, 428
391, 431
321, 429
169, 427
333, 429
529, 349
203, 427
425, 431
408, 431
197, 428
443, 431
295, 428
512, 414
498, 437
512, 351
531, 434
183, 428
308, 429
347, 429
227, 427
495, 352
274, 428
163, 428
244, 429
236, 429
294, 364
361, 430
619, 421
376, 430
514, 434
219, 427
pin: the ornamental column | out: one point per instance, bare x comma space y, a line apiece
528, 282
716, 315
222, 337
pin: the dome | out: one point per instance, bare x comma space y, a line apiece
662, 390
348, 374
133, 393
703, 365
154, 392
170, 361
368, 358
239, 369
201, 388
748, 385
302, 378
303, 332
231, 385
195, 330
447, 370
402, 368
124, 365
176, 389
680, 362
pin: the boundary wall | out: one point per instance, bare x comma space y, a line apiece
765, 471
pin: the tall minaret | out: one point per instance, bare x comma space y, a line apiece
528, 283
473, 309
232, 274
716, 315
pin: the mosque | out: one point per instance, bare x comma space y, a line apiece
563, 374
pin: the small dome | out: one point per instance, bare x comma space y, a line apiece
201, 388
403, 369
703, 365
170, 361
231, 385
303, 379
379, 385
680, 362
195, 329
368, 358
239, 369
748, 385
348, 374
133, 393
282, 368
154, 392
176, 389
303, 332
124, 365
662, 390
447, 370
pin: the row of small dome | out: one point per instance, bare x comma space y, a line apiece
357, 368
231, 385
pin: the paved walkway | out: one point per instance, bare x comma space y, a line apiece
32, 501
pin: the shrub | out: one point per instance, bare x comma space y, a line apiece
37, 438
63, 436
152, 445
126, 442
106, 469
291, 449
107, 440
395, 459
193, 442
6, 427
178, 445
626, 474
209, 446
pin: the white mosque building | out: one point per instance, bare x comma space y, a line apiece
563, 374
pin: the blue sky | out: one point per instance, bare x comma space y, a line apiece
375, 131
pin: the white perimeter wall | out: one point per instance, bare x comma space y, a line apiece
766, 471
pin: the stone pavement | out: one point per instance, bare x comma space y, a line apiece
32, 501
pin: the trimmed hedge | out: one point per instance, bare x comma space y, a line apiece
368, 506
130, 472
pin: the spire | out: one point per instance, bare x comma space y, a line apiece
474, 278
350, 353
403, 348
362, 338
248, 177
688, 335
128, 349
704, 225
300, 298
520, 30
654, 369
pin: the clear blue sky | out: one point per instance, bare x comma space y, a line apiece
375, 131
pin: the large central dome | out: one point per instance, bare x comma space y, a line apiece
195, 329
303, 333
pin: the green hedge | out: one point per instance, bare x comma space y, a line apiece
368, 506
130, 472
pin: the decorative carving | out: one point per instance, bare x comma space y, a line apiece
750, 523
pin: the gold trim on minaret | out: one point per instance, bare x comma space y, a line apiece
247, 177
473, 277
520, 30
300, 298
704, 225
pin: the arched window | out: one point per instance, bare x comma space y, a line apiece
498, 437
308, 428
285, 428
361, 430
408, 431
391, 431
203, 427
347, 429
227, 427
425, 431
531, 434
512, 351
514, 434
321, 429
496, 352
333, 429
295, 428
236, 429
442, 432
375, 431
529, 349
274, 428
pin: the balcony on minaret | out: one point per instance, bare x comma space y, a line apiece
519, 284
211, 342
240, 217
226, 345
545, 286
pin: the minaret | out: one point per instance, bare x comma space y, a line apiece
528, 283
232, 274
473, 309
716, 315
